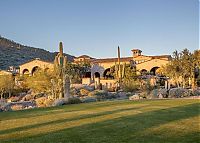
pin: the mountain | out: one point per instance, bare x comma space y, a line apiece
15, 54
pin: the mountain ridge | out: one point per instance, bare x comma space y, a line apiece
15, 54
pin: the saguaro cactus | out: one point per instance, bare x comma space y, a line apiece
60, 64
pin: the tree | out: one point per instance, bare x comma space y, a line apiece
183, 68
40, 81
6, 85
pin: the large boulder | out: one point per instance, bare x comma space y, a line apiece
12, 106
134, 97
84, 92
196, 92
179, 92
28, 97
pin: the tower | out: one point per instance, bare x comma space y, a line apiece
136, 52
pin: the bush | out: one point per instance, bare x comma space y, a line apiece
48, 102
59, 102
130, 85
2, 102
40, 102
74, 100
89, 99
84, 92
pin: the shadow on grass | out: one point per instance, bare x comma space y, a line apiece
118, 130
29, 113
68, 119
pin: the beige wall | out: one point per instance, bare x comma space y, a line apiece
35, 63
150, 64
144, 62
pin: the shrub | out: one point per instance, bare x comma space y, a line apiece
89, 99
59, 102
40, 102
130, 85
48, 102
74, 100
2, 102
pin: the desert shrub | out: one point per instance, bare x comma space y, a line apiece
89, 99
74, 100
2, 102
84, 92
40, 102
130, 85
59, 102
48, 102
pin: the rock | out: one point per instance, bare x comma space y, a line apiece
160, 96
134, 97
18, 105
28, 97
3, 102
179, 92
196, 92
84, 92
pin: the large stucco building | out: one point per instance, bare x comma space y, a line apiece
100, 67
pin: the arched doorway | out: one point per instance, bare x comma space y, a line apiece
107, 74
97, 75
87, 75
143, 72
25, 72
153, 70
34, 70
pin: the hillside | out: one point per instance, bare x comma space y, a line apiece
14, 54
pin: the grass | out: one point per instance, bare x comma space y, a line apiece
152, 121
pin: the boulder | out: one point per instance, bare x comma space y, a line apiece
196, 92
19, 105
179, 92
134, 97
84, 92
28, 97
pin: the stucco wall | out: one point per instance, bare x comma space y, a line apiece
35, 63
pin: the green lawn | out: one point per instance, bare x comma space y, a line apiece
154, 121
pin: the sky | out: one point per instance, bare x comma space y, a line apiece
97, 27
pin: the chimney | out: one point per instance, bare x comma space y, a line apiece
136, 52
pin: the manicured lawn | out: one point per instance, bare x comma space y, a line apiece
155, 121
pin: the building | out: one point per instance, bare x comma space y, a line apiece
100, 67
143, 63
